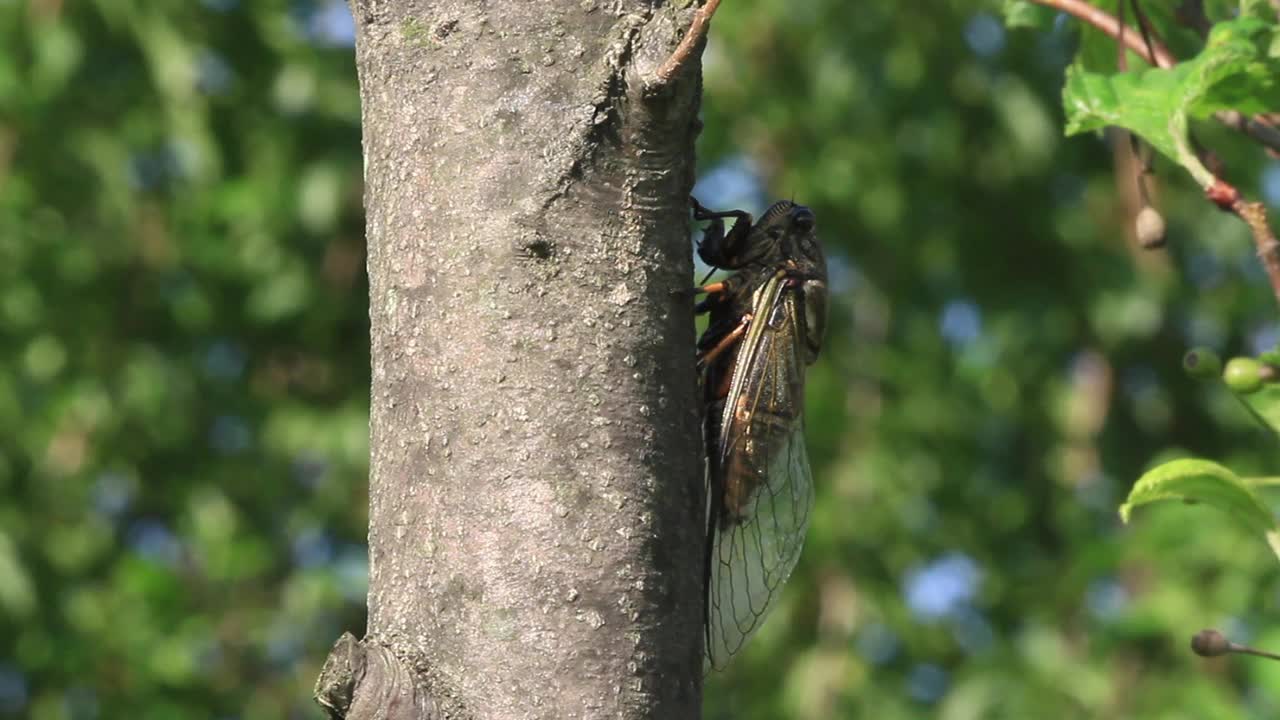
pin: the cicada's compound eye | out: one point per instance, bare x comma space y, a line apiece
802, 219
800, 246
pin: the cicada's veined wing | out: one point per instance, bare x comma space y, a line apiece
753, 558
761, 487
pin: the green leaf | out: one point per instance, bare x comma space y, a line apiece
1237, 69
1264, 403
1244, 68
1201, 481
1151, 103
1205, 482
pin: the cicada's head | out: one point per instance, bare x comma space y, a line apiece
790, 231
763, 248
806, 269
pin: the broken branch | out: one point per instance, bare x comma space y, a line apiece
685, 50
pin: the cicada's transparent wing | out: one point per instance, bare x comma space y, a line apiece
762, 487
753, 558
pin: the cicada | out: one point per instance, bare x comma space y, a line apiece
765, 327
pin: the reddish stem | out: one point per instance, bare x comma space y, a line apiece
684, 51
1158, 55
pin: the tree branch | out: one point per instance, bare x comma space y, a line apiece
1254, 214
684, 51
1157, 56
1255, 127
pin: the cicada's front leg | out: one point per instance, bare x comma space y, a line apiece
718, 248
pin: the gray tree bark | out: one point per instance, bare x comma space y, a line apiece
535, 509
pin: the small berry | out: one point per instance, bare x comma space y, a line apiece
1209, 643
1149, 227
1202, 363
1243, 375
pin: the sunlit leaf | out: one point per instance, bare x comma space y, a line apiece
1202, 481
1237, 69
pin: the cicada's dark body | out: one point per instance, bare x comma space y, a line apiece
765, 327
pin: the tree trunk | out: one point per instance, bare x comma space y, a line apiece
535, 520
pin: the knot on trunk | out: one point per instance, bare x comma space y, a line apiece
361, 679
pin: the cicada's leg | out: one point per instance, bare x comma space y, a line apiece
722, 389
717, 247
701, 213
715, 293
712, 290
726, 342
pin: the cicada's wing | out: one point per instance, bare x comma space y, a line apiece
761, 484
753, 558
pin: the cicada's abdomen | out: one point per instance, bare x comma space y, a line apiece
748, 469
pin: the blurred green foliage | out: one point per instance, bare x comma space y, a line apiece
183, 358
184, 369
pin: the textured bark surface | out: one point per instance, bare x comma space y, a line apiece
535, 508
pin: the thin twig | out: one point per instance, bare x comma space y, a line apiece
1254, 214
1145, 225
684, 51
1245, 650
1158, 55
1148, 33
1122, 56
1256, 127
